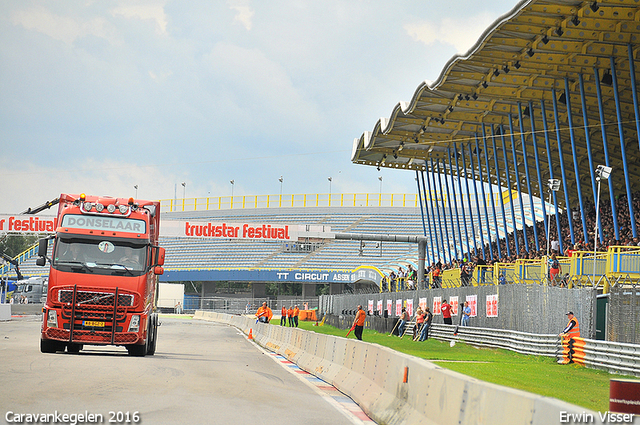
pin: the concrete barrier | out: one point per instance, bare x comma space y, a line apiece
396, 388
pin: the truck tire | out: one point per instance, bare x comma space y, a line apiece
152, 335
73, 348
137, 350
50, 346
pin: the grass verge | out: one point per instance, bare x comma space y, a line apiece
575, 384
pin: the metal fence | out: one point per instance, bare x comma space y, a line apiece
521, 307
250, 305
613, 357
623, 314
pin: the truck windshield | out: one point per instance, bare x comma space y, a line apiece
113, 256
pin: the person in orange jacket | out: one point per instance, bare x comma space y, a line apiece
283, 316
358, 322
290, 316
264, 313
296, 313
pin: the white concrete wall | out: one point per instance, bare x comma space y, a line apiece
372, 375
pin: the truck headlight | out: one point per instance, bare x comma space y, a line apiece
52, 319
134, 324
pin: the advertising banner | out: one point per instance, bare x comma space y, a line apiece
398, 307
473, 304
492, 305
410, 307
454, 305
437, 305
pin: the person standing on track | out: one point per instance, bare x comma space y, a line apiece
296, 313
572, 330
290, 315
283, 316
404, 317
466, 314
424, 332
264, 313
358, 322
446, 312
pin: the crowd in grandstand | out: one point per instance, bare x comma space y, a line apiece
402, 280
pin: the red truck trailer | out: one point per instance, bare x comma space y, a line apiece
103, 275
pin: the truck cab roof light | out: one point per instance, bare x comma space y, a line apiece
87, 206
123, 209
111, 208
99, 207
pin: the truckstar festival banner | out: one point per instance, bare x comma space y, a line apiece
27, 223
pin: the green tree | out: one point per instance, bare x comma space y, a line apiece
12, 245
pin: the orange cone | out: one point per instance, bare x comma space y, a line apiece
250, 333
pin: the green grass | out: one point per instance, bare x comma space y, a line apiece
575, 384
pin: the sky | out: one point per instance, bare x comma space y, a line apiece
100, 96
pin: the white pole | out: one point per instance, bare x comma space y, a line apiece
549, 227
595, 236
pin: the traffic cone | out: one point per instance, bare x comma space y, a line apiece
250, 333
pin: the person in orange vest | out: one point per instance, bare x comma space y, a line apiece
264, 313
290, 316
572, 330
283, 316
358, 323
296, 313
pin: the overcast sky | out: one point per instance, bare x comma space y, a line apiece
99, 96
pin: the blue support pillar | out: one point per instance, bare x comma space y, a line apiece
473, 227
515, 168
548, 146
493, 200
576, 168
475, 190
622, 147
444, 251
484, 199
526, 173
562, 170
587, 138
534, 139
424, 226
426, 207
455, 205
446, 201
634, 89
501, 200
464, 216
605, 147
509, 188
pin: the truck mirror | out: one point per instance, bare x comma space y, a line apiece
158, 270
41, 261
160, 259
43, 246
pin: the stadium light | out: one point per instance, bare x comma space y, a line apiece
602, 172
554, 186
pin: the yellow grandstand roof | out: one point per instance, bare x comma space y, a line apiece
536, 53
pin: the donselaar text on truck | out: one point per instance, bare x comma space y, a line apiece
103, 275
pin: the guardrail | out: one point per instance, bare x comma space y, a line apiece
291, 201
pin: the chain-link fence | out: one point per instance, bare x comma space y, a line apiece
521, 307
250, 305
623, 314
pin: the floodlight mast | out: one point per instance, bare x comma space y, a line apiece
602, 173
554, 186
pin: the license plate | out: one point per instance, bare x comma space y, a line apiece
94, 324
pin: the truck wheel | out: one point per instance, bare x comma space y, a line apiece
137, 350
74, 348
152, 335
50, 346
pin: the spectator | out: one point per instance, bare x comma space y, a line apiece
283, 316
424, 332
554, 269
290, 315
404, 317
446, 312
466, 314
264, 313
296, 313
358, 323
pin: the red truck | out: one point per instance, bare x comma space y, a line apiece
103, 275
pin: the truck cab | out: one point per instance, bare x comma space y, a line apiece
103, 275
30, 291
